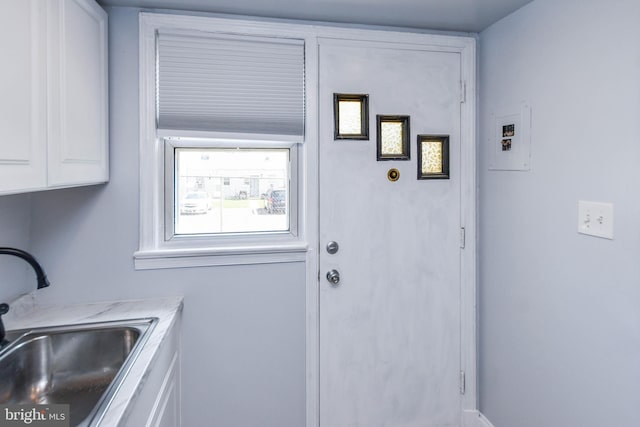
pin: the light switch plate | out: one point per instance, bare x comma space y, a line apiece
595, 219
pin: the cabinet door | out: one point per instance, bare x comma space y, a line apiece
158, 400
23, 146
77, 90
166, 410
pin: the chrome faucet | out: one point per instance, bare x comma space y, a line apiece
41, 277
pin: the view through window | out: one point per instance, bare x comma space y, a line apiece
231, 190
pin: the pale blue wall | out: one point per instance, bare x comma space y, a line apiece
243, 327
560, 311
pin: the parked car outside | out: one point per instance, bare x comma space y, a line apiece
276, 201
195, 202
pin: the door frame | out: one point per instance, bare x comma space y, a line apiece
465, 46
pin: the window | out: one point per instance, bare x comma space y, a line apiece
222, 151
229, 190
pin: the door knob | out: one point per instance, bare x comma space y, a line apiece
333, 277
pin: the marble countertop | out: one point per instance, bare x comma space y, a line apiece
27, 313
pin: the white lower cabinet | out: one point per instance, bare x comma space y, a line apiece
54, 94
159, 401
166, 410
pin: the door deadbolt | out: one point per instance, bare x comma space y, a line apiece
332, 247
333, 277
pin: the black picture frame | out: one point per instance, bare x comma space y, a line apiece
406, 149
364, 116
444, 141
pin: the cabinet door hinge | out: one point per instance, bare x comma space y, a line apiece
463, 238
462, 382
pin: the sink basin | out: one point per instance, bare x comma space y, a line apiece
78, 365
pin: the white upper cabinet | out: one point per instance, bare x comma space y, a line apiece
56, 102
23, 96
77, 92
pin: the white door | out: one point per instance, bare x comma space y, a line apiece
390, 330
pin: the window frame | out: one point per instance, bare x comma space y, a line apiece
155, 250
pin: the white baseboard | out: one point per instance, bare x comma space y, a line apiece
484, 421
475, 419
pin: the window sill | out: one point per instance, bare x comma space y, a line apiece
206, 257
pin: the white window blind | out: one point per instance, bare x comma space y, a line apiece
230, 84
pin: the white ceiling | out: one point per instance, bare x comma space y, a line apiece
452, 15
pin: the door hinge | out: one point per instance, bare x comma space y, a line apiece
463, 238
462, 382
463, 92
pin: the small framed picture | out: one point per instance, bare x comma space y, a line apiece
350, 116
508, 130
510, 144
433, 156
393, 138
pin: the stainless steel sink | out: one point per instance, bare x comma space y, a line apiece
79, 365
